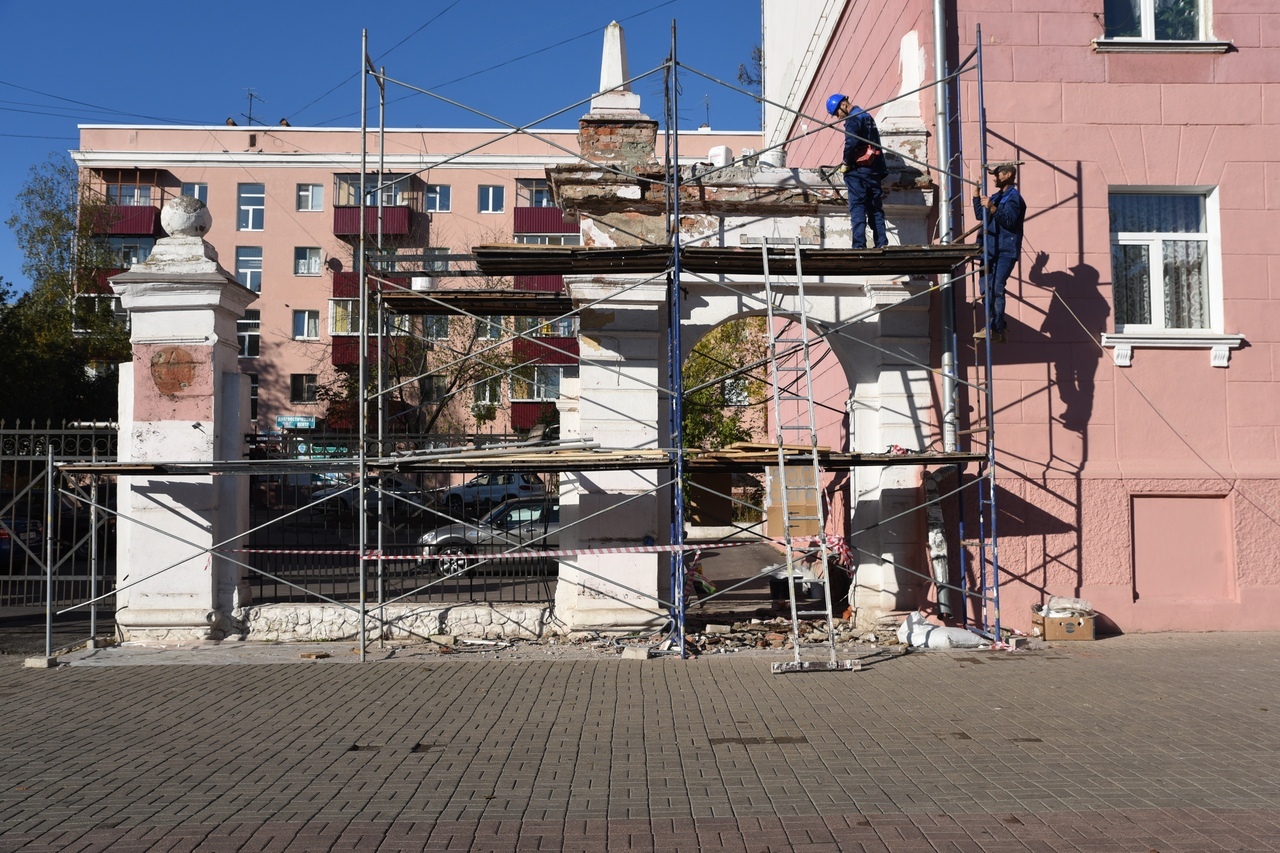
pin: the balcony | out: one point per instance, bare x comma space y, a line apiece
345, 351
396, 221
346, 285
542, 220
127, 220
540, 283
545, 350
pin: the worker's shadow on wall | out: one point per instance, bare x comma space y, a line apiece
1075, 320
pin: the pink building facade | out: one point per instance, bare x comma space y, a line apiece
1138, 399
284, 202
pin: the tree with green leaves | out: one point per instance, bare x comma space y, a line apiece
61, 352
719, 396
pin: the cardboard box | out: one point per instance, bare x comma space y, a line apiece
1054, 628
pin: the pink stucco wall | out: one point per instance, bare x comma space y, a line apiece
1084, 444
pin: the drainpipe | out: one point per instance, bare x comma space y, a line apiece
942, 125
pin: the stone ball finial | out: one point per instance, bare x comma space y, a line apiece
185, 216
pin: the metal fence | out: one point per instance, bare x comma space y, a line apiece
57, 540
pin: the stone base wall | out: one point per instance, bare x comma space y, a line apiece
295, 623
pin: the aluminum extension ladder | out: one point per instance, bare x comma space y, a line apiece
791, 381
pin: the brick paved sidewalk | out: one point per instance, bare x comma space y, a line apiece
1165, 743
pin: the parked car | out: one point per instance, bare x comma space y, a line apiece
401, 496
523, 523
15, 532
485, 491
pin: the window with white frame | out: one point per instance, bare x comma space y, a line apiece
127, 251
249, 267
253, 396
197, 191
493, 199
533, 192
1163, 261
1155, 20
344, 316
488, 391
251, 201
394, 193
535, 383
542, 327
306, 325
129, 195
490, 328
435, 327
550, 239
249, 332
306, 260
310, 197
302, 388
438, 200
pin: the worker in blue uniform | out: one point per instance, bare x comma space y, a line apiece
863, 167
1001, 244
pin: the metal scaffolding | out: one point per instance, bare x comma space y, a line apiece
382, 298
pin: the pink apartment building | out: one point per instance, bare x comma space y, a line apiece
285, 212
1137, 425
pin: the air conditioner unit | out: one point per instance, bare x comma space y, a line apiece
422, 282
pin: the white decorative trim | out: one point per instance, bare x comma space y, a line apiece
1160, 46
1220, 346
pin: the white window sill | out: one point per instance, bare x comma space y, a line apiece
1160, 46
1219, 345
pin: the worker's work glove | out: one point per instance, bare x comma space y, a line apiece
844, 167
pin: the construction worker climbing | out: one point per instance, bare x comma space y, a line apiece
1001, 243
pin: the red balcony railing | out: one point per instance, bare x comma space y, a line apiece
525, 415
395, 221
127, 220
346, 285
540, 283
542, 220
545, 350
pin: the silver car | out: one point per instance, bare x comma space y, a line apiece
523, 524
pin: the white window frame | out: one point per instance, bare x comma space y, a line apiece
129, 195
130, 250
491, 198
249, 327
196, 190
538, 385
550, 239
344, 316
395, 189
307, 260
439, 198
435, 327
310, 197
490, 327
310, 324
487, 392
533, 192
253, 396
251, 216
246, 272
1146, 42
1156, 335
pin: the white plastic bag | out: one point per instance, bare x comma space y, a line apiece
918, 632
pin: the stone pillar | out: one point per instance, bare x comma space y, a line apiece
182, 399
624, 361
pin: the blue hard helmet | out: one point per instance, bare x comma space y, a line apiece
833, 103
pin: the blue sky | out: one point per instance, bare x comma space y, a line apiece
160, 61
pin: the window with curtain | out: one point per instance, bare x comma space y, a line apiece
1160, 261
1158, 20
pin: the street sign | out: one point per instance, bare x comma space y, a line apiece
295, 422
